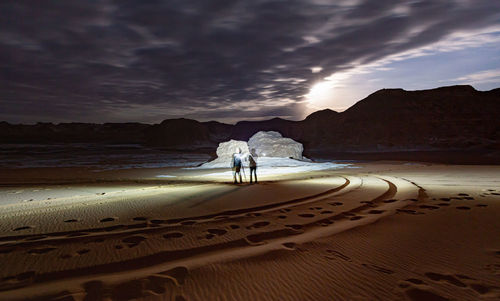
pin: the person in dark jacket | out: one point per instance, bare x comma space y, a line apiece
252, 163
236, 165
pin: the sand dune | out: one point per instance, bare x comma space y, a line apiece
383, 231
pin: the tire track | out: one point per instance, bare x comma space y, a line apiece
250, 245
11, 243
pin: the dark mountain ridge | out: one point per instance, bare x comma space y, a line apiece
455, 117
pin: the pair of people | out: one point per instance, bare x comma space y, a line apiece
237, 165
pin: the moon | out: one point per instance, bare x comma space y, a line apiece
321, 92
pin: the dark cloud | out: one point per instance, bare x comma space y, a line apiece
149, 60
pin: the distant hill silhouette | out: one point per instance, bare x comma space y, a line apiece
456, 117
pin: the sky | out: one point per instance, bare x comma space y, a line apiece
146, 61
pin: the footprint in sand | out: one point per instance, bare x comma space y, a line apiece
326, 212
463, 194
376, 211
315, 208
445, 199
281, 216
464, 277
107, 219
41, 250
213, 232
22, 228
289, 245
173, 235
133, 241
157, 221
295, 227
17, 280
463, 208
71, 221
415, 281
464, 281
234, 226
430, 207
390, 201
82, 251
448, 278
480, 288
368, 203
255, 239
336, 204
418, 294
306, 215
258, 225
409, 211
325, 222
355, 218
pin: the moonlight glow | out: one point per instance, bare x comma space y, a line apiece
321, 93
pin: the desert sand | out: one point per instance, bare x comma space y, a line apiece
380, 231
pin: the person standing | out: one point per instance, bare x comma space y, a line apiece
253, 165
236, 165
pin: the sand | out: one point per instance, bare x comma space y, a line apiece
381, 231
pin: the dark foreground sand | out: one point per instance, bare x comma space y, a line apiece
383, 231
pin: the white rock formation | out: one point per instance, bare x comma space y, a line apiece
272, 144
227, 149
271, 150
225, 153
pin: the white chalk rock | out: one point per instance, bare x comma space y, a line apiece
225, 153
227, 149
272, 144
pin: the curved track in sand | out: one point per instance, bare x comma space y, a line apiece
165, 249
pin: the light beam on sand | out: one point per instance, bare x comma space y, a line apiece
267, 166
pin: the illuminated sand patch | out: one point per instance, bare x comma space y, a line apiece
272, 166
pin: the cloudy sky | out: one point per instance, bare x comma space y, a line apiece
127, 60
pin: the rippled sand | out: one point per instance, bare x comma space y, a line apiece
381, 231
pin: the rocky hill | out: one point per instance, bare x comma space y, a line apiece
449, 117
456, 117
